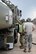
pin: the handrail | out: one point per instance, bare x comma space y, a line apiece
8, 3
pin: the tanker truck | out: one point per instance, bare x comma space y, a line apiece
7, 26
6, 21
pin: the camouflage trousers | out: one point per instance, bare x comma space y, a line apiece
28, 41
22, 40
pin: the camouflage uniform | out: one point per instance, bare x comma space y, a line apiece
22, 37
28, 39
28, 36
22, 40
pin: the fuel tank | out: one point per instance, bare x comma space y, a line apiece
6, 19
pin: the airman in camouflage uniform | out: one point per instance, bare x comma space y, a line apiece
22, 35
28, 36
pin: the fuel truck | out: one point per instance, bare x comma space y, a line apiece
6, 29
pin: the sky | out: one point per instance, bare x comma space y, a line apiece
28, 8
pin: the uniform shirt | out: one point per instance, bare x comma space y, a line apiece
28, 27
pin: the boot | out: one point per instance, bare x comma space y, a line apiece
29, 50
21, 47
25, 50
